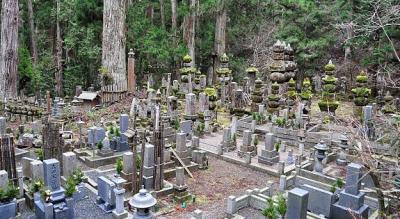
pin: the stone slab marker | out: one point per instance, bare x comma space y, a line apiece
127, 158
148, 167
3, 178
351, 200
181, 148
268, 155
131, 72
2, 125
297, 203
36, 167
105, 193
26, 167
70, 162
320, 201
51, 172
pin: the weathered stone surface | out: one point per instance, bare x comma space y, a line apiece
297, 203
319, 200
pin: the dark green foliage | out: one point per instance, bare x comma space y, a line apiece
9, 193
99, 145
119, 166
270, 211
35, 186
39, 154
78, 176
70, 186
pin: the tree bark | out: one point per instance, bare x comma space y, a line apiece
174, 25
8, 49
220, 32
59, 73
32, 33
162, 13
189, 31
113, 47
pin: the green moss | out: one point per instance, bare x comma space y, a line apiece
275, 86
361, 91
329, 79
329, 88
291, 94
187, 58
273, 97
330, 67
362, 79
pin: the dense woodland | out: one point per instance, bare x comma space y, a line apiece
59, 42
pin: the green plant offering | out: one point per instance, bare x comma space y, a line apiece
277, 145
281, 207
256, 141
39, 153
119, 166
70, 186
270, 211
9, 193
99, 145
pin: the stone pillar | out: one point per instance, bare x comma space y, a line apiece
128, 163
269, 155
351, 200
203, 102
3, 125
281, 167
233, 126
3, 178
297, 203
227, 140
181, 148
246, 145
20, 182
148, 167
36, 167
131, 72
119, 211
69, 163
190, 107
282, 183
231, 206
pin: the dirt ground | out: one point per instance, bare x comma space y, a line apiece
212, 187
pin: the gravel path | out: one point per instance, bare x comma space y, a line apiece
212, 187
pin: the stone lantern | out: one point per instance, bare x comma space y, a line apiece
252, 72
343, 144
143, 201
321, 148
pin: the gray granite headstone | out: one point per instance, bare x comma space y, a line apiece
52, 174
297, 203
353, 178
3, 125
186, 126
320, 201
3, 178
128, 163
105, 193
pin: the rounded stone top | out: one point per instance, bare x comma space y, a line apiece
224, 58
292, 81
330, 66
142, 200
362, 77
289, 49
388, 97
275, 86
187, 58
278, 46
131, 54
306, 82
258, 81
252, 69
321, 146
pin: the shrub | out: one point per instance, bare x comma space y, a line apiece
270, 211
39, 153
9, 193
281, 208
119, 166
70, 186
99, 145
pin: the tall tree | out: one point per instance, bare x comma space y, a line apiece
220, 34
162, 13
8, 48
32, 33
189, 28
114, 43
59, 62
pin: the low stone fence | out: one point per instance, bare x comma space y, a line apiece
256, 198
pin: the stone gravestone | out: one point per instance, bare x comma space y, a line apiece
51, 172
269, 155
70, 162
148, 167
186, 127
246, 144
297, 203
105, 194
123, 126
36, 168
2, 125
351, 200
182, 149
320, 201
3, 178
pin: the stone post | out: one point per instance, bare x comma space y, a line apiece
119, 211
69, 163
282, 183
131, 72
297, 203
